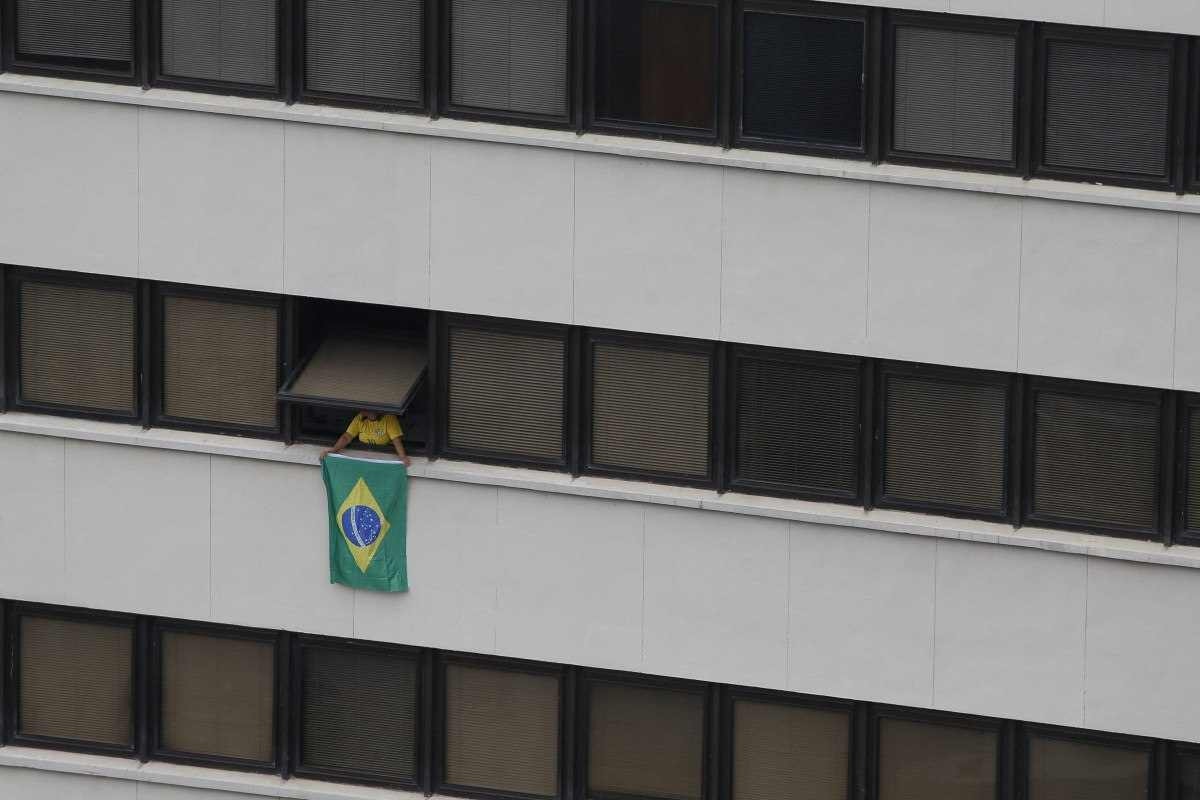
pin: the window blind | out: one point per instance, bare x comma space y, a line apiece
502, 730
1107, 108
218, 696
1193, 470
1068, 770
76, 680
510, 55
1189, 777
78, 347
1096, 459
220, 40
921, 760
343, 727
220, 361
100, 30
945, 443
645, 742
803, 78
782, 751
797, 425
955, 93
651, 409
506, 393
366, 48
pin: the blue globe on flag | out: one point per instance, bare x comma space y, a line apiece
361, 524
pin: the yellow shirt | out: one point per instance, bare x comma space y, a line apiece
381, 430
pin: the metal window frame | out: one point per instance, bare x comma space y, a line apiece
1007, 512
722, 36
1019, 32
1181, 531
301, 643
1151, 747
670, 344
11, 642
157, 315
77, 68
1174, 46
795, 144
159, 78
14, 278
444, 659
156, 749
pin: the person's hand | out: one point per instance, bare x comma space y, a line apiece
325, 452
406, 461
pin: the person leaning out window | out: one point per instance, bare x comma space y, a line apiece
376, 431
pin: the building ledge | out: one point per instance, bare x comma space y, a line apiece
592, 143
904, 522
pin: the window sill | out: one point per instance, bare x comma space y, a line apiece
632, 491
614, 145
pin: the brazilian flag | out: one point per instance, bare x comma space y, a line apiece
367, 522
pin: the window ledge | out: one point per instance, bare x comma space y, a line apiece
905, 522
614, 145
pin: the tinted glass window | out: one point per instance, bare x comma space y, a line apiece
1067, 770
220, 40
782, 751
922, 760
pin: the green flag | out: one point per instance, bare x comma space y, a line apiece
368, 528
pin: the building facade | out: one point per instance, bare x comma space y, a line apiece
801, 397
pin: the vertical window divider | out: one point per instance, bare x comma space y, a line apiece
430, 725
1026, 72
877, 72
725, 71
442, 11
869, 452
436, 376
576, 73
5, 324
290, 346
1036, 99
570, 741
574, 388
860, 752
294, 703
722, 403
715, 743
5, 670
285, 24
141, 701
149, 349
1179, 114
1008, 761
1183, 455
141, 42
1016, 449
1167, 466
1161, 778
8, 36
435, 11
283, 717
292, 54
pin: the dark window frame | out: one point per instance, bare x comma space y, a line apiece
1181, 532
1176, 48
962, 376
78, 69
159, 752
950, 22
14, 277
10, 627
1075, 735
160, 291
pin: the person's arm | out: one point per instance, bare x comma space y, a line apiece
341, 444
396, 434
398, 443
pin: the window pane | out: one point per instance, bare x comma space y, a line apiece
220, 40
218, 696
920, 760
506, 393
1107, 107
656, 63
76, 681
1096, 459
100, 30
77, 347
782, 751
509, 55
645, 742
955, 93
502, 730
220, 361
651, 410
797, 425
804, 78
359, 713
367, 48
1064, 770
945, 443
1193, 470
1189, 778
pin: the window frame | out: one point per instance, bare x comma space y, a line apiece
1176, 48
1181, 532
158, 418
14, 278
966, 377
279, 745
10, 640
78, 69
1064, 734
675, 344
1165, 465
1002, 729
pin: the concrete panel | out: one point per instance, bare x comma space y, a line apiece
357, 215
270, 549
211, 199
70, 174
1098, 292
1142, 649
795, 261
570, 579
1082, 12
32, 522
861, 612
1187, 314
137, 530
20, 783
159, 791
452, 577
648, 245
716, 597
944, 276
1010, 630
502, 230
1171, 16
